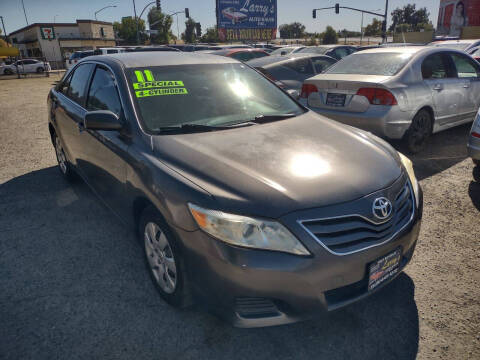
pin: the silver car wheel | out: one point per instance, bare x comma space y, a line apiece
61, 158
160, 257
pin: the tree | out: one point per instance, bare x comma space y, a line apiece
329, 36
162, 23
411, 16
374, 29
211, 35
127, 30
189, 35
294, 30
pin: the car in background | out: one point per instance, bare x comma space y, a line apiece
235, 16
242, 199
287, 50
475, 53
76, 57
267, 47
290, 71
336, 51
399, 92
460, 44
240, 54
194, 47
151, 48
473, 145
25, 66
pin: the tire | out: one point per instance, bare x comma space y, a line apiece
419, 132
63, 165
476, 162
164, 259
40, 70
7, 72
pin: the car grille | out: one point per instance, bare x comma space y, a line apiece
351, 233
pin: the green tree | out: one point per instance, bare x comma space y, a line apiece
127, 30
374, 29
161, 22
189, 35
211, 35
329, 36
294, 30
411, 16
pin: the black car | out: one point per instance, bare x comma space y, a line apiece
243, 199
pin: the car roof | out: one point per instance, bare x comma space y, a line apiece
274, 59
396, 49
162, 58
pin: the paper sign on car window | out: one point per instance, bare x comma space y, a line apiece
148, 86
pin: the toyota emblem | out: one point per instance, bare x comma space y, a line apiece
382, 208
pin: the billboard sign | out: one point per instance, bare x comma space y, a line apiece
453, 15
247, 19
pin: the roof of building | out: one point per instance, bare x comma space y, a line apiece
58, 25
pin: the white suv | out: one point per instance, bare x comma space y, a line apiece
25, 66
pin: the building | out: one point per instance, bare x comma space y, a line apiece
56, 41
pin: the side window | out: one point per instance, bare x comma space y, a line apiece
78, 83
112, 51
302, 66
322, 63
103, 93
466, 68
436, 67
63, 86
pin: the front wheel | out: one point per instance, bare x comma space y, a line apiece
40, 70
164, 259
7, 72
419, 132
63, 164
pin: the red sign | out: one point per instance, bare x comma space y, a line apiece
247, 34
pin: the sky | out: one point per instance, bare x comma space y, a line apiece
202, 11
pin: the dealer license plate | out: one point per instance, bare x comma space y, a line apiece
337, 100
384, 268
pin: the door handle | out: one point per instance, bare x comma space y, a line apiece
438, 87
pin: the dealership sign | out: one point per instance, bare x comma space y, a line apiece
247, 19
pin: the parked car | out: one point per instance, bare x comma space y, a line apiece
243, 199
474, 141
194, 47
25, 66
76, 57
399, 93
336, 51
287, 50
460, 44
241, 54
475, 53
290, 71
151, 48
266, 47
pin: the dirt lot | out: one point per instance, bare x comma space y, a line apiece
73, 283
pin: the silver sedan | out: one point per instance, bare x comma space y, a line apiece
399, 93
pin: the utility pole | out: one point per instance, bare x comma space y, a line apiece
136, 21
3, 25
24, 12
384, 25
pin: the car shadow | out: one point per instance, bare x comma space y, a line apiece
74, 285
444, 150
474, 187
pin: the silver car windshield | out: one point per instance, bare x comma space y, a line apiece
386, 64
211, 94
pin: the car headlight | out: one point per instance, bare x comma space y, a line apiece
407, 164
246, 231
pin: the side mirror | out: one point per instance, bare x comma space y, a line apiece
102, 120
294, 93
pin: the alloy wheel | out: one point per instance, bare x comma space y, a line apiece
61, 158
160, 257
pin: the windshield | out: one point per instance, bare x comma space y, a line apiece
386, 64
211, 94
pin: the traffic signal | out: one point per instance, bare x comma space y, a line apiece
187, 13
198, 29
337, 8
314, 14
159, 6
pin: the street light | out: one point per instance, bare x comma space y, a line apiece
106, 7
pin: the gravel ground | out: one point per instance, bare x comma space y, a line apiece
73, 282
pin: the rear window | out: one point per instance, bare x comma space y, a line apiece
210, 94
386, 64
314, 50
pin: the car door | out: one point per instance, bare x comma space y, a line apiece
104, 152
440, 78
468, 72
68, 109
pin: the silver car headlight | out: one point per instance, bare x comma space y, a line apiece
407, 164
246, 231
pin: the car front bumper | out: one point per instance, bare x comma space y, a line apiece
254, 288
473, 147
383, 121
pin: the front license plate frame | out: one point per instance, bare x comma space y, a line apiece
335, 99
383, 269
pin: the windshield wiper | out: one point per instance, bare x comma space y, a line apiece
192, 128
260, 119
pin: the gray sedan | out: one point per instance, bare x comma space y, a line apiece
399, 93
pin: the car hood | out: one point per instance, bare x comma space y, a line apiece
272, 169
